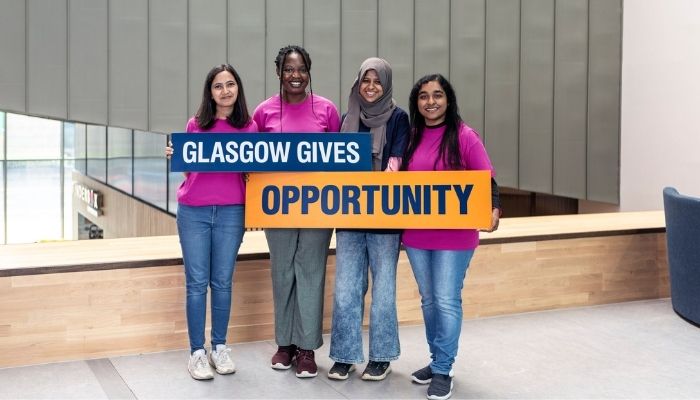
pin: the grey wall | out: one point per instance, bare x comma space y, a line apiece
539, 79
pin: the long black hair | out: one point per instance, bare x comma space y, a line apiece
449, 144
206, 114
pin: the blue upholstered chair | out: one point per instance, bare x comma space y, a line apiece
683, 245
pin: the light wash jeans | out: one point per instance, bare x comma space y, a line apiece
440, 276
356, 253
210, 237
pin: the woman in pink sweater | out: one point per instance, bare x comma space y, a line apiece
210, 223
297, 256
441, 141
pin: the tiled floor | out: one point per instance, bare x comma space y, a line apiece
628, 350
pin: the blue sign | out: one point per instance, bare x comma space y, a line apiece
257, 152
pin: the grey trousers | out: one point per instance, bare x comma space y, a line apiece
298, 258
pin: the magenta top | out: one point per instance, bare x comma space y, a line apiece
474, 157
214, 188
314, 114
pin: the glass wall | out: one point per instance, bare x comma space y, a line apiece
150, 168
119, 159
97, 152
33, 179
38, 157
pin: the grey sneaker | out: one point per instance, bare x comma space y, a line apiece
199, 367
376, 370
440, 387
424, 375
220, 359
341, 371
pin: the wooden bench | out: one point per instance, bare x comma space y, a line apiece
91, 299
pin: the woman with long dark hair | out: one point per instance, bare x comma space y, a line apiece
298, 256
210, 223
440, 141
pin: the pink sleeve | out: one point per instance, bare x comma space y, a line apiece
258, 118
333, 118
191, 125
476, 156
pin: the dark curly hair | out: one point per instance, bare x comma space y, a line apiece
279, 64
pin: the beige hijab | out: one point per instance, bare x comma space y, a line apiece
373, 115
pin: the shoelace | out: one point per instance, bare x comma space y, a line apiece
200, 361
224, 355
305, 355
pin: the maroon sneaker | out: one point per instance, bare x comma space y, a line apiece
306, 365
284, 357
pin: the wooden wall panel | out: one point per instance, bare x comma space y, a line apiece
207, 37
536, 96
167, 66
87, 61
47, 57
502, 88
79, 315
322, 41
284, 26
467, 58
246, 47
432, 38
12, 56
395, 44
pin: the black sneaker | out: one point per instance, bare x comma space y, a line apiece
440, 387
376, 370
341, 371
423, 376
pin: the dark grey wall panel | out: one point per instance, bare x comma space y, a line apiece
87, 61
246, 47
128, 64
570, 98
395, 44
358, 40
502, 88
207, 44
12, 56
47, 61
432, 38
536, 95
467, 58
322, 40
285, 19
604, 100
168, 65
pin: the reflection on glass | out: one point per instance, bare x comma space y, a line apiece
119, 153
2, 203
174, 181
31, 138
68, 166
74, 143
150, 168
97, 152
2, 136
33, 212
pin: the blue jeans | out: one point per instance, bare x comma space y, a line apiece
356, 253
210, 237
440, 276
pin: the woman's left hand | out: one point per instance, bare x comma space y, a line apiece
495, 218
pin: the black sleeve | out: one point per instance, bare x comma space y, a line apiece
495, 198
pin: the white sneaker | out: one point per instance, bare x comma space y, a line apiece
221, 360
199, 367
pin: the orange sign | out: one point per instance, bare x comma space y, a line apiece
434, 199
